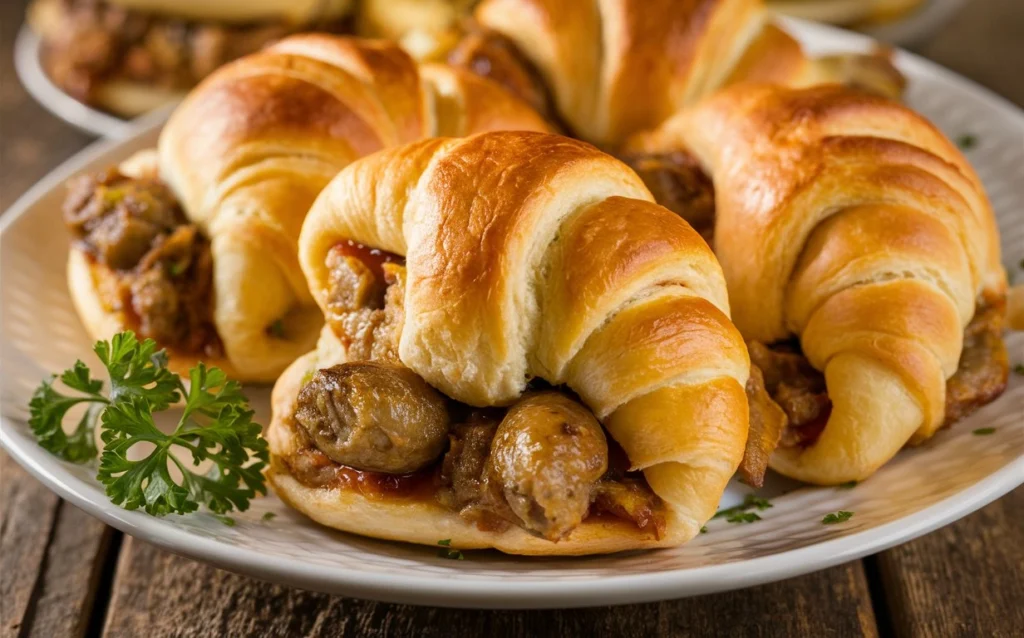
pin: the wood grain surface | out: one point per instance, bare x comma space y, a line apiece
63, 573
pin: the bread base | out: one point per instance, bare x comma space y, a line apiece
425, 522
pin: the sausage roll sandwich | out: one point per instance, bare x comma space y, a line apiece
523, 352
864, 269
130, 56
195, 244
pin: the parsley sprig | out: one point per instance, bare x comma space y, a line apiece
215, 426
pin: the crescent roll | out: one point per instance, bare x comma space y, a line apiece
532, 264
607, 69
244, 157
850, 223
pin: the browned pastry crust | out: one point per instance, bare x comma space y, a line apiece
616, 67
248, 152
850, 222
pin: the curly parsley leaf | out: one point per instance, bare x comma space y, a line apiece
139, 369
227, 438
215, 427
48, 407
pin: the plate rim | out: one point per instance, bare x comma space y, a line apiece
487, 591
29, 69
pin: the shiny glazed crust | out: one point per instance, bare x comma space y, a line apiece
532, 255
616, 67
853, 223
251, 147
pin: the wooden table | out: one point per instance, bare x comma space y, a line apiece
66, 574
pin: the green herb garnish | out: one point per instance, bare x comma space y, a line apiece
838, 517
750, 501
227, 520
984, 431
215, 426
849, 485
743, 517
268, 516
1019, 369
703, 529
967, 141
447, 552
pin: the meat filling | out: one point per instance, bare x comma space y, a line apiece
366, 292
491, 55
542, 464
786, 393
161, 266
374, 416
545, 460
90, 41
678, 183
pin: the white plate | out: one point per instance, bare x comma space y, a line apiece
922, 489
29, 67
910, 29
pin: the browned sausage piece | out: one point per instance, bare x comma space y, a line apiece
374, 416
546, 457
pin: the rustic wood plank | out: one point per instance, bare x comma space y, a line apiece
28, 514
964, 579
51, 557
161, 594
33, 140
79, 549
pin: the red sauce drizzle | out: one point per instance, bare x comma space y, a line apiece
373, 258
313, 468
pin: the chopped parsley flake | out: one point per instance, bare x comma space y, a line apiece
838, 517
984, 431
1019, 369
750, 501
269, 516
967, 141
849, 485
703, 529
447, 552
743, 517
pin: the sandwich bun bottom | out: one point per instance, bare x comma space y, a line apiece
424, 521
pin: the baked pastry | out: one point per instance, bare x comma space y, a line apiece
427, 29
508, 292
863, 264
130, 56
608, 69
198, 248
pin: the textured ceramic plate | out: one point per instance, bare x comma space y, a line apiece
922, 489
910, 29
27, 64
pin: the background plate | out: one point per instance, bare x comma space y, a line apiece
950, 476
30, 71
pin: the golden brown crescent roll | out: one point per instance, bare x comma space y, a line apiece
612, 68
527, 257
851, 223
245, 156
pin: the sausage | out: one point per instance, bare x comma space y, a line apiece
374, 416
548, 453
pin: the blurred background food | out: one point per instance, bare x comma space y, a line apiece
129, 56
427, 29
848, 13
